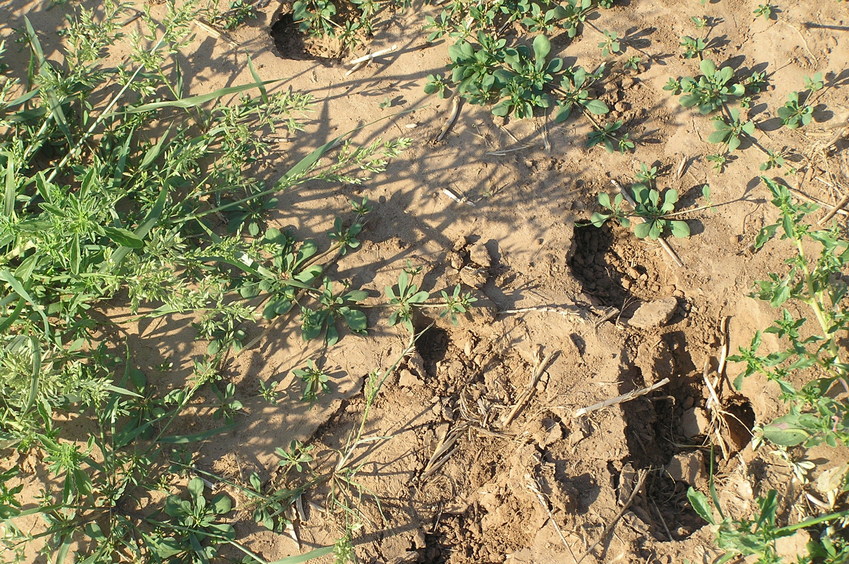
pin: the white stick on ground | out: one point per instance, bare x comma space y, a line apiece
370, 56
620, 399
452, 117
525, 396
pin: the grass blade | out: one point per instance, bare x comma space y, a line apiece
36, 375
194, 437
194, 101
262, 91
19, 289
298, 558
10, 192
141, 231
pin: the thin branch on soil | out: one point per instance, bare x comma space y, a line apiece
572, 311
817, 201
443, 449
641, 478
662, 520
680, 171
723, 352
458, 199
663, 243
371, 56
837, 209
526, 395
633, 394
214, 32
717, 413
545, 140
533, 485
502, 152
452, 117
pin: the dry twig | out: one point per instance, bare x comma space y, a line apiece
525, 397
638, 485
452, 117
371, 56
620, 399
534, 487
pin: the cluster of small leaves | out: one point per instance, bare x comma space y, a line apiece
731, 130
461, 19
350, 21
488, 68
766, 11
817, 281
653, 208
709, 91
237, 15
193, 531
798, 111
755, 538
405, 298
315, 381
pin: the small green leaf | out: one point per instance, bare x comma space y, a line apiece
563, 113
733, 143
786, 431
700, 504
717, 136
596, 107
642, 230
196, 487
356, 320
598, 219
221, 504
542, 47
679, 229
124, 237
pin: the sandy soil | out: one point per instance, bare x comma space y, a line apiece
460, 475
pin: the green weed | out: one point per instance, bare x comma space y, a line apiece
814, 278
731, 130
756, 537
491, 67
654, 212
120, 188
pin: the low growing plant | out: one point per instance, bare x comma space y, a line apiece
794, 113
121, 190
490, 67
815, 277
755, 538
731, 130
652, 207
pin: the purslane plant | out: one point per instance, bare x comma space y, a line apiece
709, 91
653, 208
488, 68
